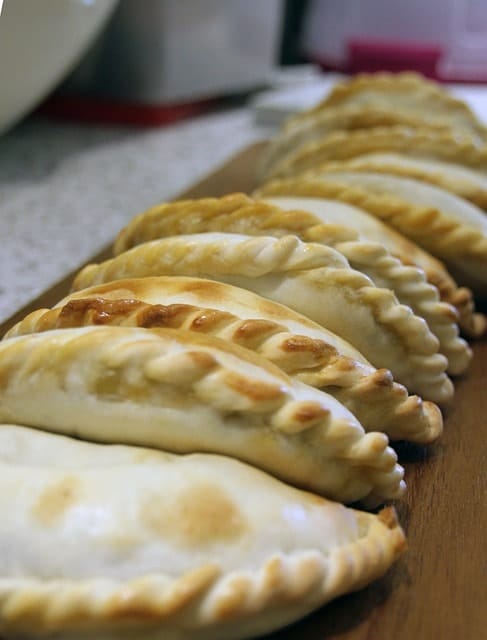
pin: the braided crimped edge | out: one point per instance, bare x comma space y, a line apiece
313, 125
378, 402
342, 145
203, 603
254, 218
143, 226
229, 253
390, 210
230, 257
215, 373
214, 215
458, 185
411, 287
432, 94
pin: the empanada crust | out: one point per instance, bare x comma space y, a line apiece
303, 349
195, 558
314, 280
309, 223
179, 391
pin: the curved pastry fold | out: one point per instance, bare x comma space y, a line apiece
307, 219
167, 546
309, 126
303, 349
450, 228
463, 181
182, 392
394, 211
312, 279
414, 142
408, 93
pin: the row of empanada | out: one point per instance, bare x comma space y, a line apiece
383, 154
198, 354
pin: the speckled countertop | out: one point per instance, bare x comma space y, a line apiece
67, 189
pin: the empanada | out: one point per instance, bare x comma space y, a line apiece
383, 208
114, 542
313, 279
300, 347
183, 392
258, 218
414, 142
406, 92
462, 181
452, 229
309, 126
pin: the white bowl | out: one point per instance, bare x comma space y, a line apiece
40, 42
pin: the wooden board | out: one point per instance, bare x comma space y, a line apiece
438, 590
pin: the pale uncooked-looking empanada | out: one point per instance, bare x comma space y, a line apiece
406, 92
105, 541
307, 219
462, 181
313, 279
414, 142
183, 392
449, 227
300, 347
383, 209
312, 125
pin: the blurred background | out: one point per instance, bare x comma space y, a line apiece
155, 61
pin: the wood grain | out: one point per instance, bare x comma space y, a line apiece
438, 590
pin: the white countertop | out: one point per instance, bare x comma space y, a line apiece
67, 189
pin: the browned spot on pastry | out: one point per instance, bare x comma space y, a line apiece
208, 320
303, 343
202, 515
309, 412
95, 311
256, 390
55, 500
252, 329
158, 315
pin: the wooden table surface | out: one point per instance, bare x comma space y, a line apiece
438, 589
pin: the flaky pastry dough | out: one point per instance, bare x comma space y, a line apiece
308, 221
300, 347
415, 142
116, 541
409, 93
463, 181
405, 217
311, 278
182, 392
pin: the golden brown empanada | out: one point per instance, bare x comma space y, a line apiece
408, 93
450, 228
258, 218
383, 208
414, 142
311, 278
463, 181
123, 542
183, 392
309, 126
300, 347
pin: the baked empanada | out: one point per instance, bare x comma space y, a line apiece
312, 125
408, 93
414, 142
462, 181
183, 392
311, 278
452, 229
308, 221
300, 347
110, 542
377, 208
